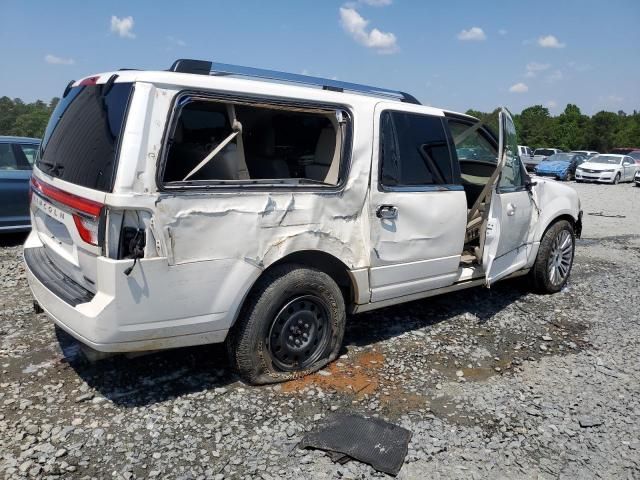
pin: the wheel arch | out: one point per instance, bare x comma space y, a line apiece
354, 284
576, 223
327, 263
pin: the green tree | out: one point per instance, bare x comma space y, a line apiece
534, 126
628, 135
602, 131
570, 128
25, 120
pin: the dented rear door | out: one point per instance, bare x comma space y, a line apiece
417, 206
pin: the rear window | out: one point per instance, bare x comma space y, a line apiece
544, 151
81, 140
13, 158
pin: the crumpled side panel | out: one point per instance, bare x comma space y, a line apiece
261, 228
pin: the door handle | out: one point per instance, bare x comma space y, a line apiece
387, 212
511, 209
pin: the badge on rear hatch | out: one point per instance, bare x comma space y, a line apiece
47, 208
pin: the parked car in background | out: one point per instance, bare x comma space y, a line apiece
608, 168
540, 154
17, 155
259, 213
636, 156
586, 153
624, 150
525, 153
561, 166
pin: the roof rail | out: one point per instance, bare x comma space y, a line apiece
204, 67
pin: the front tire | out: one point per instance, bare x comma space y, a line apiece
292, 324
616, 180
553, 263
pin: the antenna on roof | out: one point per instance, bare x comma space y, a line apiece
204, 67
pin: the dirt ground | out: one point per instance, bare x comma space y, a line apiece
498, 383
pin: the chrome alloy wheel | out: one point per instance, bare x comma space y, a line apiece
560, 257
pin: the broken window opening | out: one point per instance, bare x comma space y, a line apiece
218, 142
478, 160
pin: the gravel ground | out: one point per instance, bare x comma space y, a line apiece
496, 383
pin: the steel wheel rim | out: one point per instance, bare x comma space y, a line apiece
559, 262
299, 334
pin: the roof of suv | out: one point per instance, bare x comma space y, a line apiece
302, 87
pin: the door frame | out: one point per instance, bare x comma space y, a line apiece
393, 279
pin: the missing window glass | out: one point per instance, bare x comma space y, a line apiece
214, 142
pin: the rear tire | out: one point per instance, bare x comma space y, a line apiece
292, 324
553, 263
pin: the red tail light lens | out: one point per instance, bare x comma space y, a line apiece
87, 228
86, 213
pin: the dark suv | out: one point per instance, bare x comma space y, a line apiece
17, 155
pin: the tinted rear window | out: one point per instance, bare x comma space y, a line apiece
81, 140
543, 151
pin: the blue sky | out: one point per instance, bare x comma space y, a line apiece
456, 54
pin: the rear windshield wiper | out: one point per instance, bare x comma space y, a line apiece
54, 168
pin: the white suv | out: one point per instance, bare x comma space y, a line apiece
214, 203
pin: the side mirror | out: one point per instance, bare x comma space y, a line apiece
529, 184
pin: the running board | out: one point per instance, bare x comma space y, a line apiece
430, 293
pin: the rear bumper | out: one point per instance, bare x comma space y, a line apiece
158, 306
45, 271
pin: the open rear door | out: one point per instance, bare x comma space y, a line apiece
507, 229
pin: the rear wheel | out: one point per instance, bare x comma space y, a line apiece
553, 264
292, 324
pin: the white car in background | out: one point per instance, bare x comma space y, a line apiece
608, 168
586, 153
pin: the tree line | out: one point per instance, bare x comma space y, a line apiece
25, 119
570, 130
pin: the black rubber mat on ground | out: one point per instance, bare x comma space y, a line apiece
370, 440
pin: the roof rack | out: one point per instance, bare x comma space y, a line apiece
204, 67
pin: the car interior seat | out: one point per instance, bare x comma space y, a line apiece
325, 164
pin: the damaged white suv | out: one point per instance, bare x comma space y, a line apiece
214, 203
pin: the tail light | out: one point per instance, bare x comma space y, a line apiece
86, 213
87, 228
